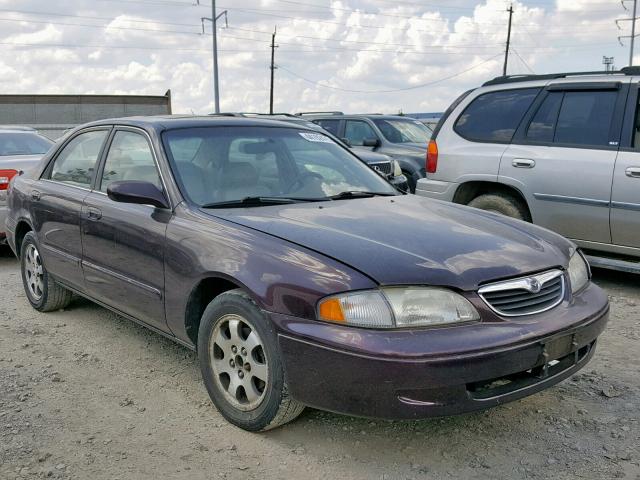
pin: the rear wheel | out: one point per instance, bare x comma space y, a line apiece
241, 366
43, 292
502, 203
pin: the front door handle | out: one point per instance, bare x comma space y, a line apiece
523, 163
93, 213
633, 172
35, 195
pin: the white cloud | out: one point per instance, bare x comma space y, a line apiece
364, 45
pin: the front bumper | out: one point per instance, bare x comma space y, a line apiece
444, 191
383, 374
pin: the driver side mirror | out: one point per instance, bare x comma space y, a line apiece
371, 142
137, 192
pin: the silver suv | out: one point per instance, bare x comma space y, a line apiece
561, 151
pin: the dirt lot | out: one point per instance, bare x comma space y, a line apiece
87, 395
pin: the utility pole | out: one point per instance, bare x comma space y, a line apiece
506, 52
633, 31
633, 28
273, 67
214, 22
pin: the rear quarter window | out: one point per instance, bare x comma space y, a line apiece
495, 116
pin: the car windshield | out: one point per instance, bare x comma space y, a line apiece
266, 165
23, 143
403, 131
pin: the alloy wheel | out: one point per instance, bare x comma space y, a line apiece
239, 362
34, 271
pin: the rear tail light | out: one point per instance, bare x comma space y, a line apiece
5, 178
432, 157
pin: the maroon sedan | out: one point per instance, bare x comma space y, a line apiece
300, 275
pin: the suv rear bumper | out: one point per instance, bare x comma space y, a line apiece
436, 189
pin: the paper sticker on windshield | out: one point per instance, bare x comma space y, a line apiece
315, 137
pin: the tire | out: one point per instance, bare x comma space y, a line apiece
411, 182
235, 333
43, 292
502, 203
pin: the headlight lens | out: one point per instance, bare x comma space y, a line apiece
397, 307
579, 273
397, 171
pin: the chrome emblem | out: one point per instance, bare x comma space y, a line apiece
377, 168
533, 285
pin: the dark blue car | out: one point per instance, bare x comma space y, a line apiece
299, 275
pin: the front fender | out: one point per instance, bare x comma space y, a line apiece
280, 276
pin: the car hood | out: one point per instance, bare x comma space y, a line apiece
411, 240
411, 149
369, 156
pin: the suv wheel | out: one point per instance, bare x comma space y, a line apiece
241, 366
43, 292
502, 203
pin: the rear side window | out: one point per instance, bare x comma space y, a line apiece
495, 116
330, 126
76, 163
542, 127
585, 118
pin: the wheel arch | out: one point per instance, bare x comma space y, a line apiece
22, 228
202, 294
468, 191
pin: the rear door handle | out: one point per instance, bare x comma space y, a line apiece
93, 213
633, 172
35, 195
523, 163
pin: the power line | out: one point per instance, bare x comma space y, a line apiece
414, 87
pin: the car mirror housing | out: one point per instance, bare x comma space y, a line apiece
371, 142
133, 191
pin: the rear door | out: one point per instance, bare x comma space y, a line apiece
563, 156
625, 194
57, 201
123, 244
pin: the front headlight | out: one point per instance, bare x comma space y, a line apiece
395, 307
579, 273
397, 171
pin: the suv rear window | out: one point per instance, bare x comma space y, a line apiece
495, 116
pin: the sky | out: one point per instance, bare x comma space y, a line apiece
364, 56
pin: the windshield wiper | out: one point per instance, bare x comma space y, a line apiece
259, 201
360, 194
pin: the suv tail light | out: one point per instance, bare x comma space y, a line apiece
5, 178
432, 157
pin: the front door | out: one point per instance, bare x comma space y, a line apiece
57, 200
562, 160
123, 244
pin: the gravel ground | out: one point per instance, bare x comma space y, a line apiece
86, 394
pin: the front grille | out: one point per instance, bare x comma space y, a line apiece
525, 296
384, 167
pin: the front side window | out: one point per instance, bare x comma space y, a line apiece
76, 163
357, 131
403, 131
23, 143
226, 164
585, 118
129, 158
495, 116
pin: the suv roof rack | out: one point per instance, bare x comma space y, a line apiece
550, 76
300, 114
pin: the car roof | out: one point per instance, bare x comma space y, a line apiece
16, 129
371, 116
169, 122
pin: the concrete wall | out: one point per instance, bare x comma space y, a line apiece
52, 115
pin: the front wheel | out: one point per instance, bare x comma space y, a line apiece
43, 292
241, 365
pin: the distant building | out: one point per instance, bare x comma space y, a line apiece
52, 115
